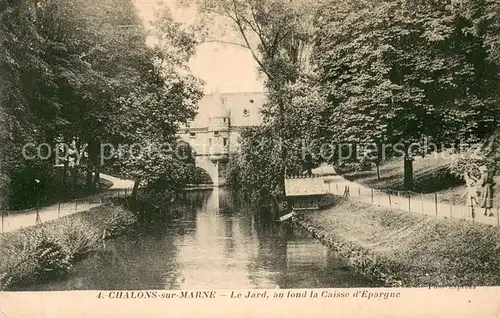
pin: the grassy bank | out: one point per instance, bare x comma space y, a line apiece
430, 175
48, 251
406, 249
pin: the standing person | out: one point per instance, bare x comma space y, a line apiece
472, 189
486, 183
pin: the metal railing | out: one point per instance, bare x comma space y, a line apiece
414, 202
12, 220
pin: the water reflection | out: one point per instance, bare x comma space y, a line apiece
211, 244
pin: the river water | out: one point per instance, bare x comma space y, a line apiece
210, 244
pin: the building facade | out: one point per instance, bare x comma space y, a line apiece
214, 132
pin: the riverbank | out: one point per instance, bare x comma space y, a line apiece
431, 175
405, 249
12, 221
48, 251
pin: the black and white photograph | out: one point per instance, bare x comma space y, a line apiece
285, 148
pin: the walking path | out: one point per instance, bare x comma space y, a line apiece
17, 220
335, 184
413, 202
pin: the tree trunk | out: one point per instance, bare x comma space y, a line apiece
97, 178
74, 178
281, 123
64, 177
96, 164
64, 180
136, 188
91, 160
408, 173
380, 157
89, 177
275, 207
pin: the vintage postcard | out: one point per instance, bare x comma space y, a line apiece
253, 158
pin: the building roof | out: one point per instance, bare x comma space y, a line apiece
243, 109
217, 107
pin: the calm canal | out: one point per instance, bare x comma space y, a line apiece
212, 245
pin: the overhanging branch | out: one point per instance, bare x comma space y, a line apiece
224, 42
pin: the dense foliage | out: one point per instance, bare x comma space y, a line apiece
279, 34
372, 73
48, 252
80, 73
396, 71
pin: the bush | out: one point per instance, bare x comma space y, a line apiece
119, 222
37, 257
77, 237
327, 201
47, 252
52, 260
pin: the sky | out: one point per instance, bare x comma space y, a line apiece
225, 68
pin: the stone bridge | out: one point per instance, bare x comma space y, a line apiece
212, 168
214, 133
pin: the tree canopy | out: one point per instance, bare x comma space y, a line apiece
80, 73
368, 72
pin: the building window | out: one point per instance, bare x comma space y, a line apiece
210, 142
224, 141
246, 112
225, 120
216, 133
192, 135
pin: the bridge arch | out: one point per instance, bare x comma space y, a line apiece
211, 168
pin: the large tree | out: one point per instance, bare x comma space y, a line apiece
167, 99
80, 72
279, 34
398, 71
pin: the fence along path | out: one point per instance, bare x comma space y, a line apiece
19, 219
409, 201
